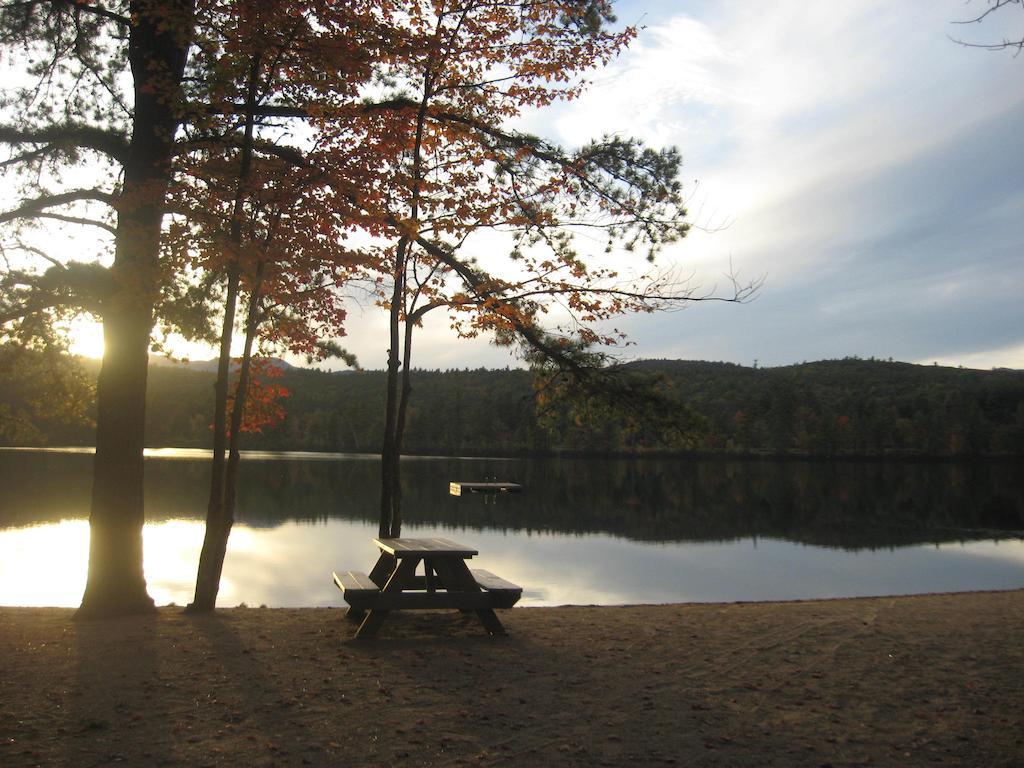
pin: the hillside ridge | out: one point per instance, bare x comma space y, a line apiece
849, 407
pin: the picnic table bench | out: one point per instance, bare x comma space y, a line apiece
446, 582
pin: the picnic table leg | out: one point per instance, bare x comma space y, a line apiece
401, 576
458, 578
382, 570
490, 621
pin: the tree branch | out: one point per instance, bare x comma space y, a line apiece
103, 13
994, 5
30, 156
76, 5
109, 143
37, 251
75, 285
78, 220
38, 206
289, 154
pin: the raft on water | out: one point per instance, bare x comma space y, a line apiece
457, 489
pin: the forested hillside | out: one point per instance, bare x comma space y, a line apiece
853, 407
848, 407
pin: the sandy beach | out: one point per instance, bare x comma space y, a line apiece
882, 681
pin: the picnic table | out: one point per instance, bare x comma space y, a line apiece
446, 582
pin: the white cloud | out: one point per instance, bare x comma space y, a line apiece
999, 357
785, 101
865, 162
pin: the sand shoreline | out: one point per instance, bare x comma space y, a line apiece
910, 680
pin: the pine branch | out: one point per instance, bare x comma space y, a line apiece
109, 143
40, 205
79, 6
78, 220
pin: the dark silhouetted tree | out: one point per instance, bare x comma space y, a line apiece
102, 106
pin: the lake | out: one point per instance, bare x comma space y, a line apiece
584, 531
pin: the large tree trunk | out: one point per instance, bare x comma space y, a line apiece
116, 583
157, 50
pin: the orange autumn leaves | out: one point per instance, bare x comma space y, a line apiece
370, 123
265, 397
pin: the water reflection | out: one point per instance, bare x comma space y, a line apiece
291, 565
583, 532
837, 504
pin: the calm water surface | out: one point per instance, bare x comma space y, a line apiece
585, 531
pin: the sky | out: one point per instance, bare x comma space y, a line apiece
867, 167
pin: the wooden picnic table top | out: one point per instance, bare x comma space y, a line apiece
425, 548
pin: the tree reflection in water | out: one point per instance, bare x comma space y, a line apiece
848, 505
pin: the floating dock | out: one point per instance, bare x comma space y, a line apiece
457, 489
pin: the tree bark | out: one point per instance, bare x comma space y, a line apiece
219, 517
116, 583
389, 447
403, 407
218, 528
394, 421
157, 50
241, 400
210, 564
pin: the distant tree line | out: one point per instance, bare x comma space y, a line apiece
839, 408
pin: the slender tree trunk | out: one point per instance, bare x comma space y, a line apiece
218, 519
389, 446
215, 542
391, 450
403, 408
241, 401
208, 576
220, 390
157, 50
237, 413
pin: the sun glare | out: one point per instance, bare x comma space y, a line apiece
86, 338
171, 554
44, 564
